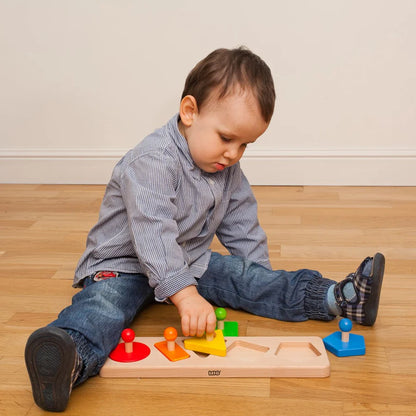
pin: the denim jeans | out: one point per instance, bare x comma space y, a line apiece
101, 310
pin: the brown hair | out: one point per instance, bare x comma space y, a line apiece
227, 68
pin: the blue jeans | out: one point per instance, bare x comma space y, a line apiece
101, 310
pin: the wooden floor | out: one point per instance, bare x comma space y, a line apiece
42, 234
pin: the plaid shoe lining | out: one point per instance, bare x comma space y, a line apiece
76, 371
362, 286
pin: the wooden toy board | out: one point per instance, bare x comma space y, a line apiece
246, 357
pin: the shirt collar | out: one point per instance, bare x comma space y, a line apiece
182, 145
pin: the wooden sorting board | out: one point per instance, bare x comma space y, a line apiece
246, 357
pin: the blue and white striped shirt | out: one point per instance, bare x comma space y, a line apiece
160, 213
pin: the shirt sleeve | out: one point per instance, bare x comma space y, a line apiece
240, 231
148, 189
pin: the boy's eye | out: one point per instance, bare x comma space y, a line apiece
225, 139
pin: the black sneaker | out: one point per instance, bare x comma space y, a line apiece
363, 309
53, 366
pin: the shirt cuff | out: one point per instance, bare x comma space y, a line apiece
169, 287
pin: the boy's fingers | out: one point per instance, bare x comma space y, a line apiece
201, 326
185, 325
211, 323
193, 325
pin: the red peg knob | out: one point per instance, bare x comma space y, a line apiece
128, 335
170, 334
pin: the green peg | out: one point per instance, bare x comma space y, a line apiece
221, 314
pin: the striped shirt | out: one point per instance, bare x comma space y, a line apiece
160, 213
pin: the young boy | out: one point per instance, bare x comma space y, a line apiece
166, 200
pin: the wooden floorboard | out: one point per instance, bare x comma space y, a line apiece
331, 229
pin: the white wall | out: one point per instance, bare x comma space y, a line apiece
82, 81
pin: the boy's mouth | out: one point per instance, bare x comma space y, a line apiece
219, 166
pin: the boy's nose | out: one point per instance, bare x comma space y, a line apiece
231, 152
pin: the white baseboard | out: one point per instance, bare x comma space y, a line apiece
392, 167
262, 166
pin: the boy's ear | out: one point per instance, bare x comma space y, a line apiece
188, 109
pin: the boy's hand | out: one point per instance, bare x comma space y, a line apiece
197, 315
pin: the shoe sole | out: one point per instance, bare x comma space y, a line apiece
371, 306
50, 357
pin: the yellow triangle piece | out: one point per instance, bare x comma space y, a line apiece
214, 347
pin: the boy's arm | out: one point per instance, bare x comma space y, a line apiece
240, 231
148, 191
148, 188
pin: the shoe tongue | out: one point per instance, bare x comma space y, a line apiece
367, 268
349, 292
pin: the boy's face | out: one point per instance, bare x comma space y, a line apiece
218, 134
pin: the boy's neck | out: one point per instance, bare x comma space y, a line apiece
181, 128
